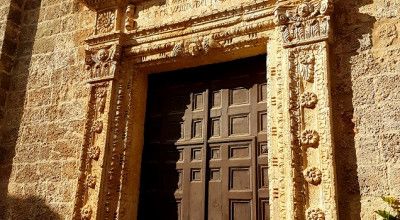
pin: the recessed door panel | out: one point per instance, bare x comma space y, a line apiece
205, 153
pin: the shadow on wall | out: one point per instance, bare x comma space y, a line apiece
350, 28
28, 207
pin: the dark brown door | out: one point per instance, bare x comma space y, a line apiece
205, 153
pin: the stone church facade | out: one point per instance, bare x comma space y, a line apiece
317, 137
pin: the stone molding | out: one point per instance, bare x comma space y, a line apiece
296, 37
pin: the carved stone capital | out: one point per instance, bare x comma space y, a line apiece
101, 63
308, 22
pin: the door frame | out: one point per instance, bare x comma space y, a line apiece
119, 57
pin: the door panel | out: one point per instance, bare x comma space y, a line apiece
205, 153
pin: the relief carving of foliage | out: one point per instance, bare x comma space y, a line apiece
313, 175
106, 21
308, 100
91, 181
309, 138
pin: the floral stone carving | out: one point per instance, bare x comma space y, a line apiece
306, 65
86, 212
94, 152
308, 100
91, 181
309, 138
307, 23
313, 175
105, 21
315, 214
97, 127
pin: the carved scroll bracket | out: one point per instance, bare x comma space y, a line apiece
304, 32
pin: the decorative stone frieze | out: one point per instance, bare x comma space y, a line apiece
127, 40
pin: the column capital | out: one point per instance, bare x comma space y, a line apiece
307, 22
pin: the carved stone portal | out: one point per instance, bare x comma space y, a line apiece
134, 38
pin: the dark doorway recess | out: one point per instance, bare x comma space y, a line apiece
205, 153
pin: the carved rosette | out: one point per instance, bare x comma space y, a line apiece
86, 212
106, 21
313, 175
308, 23
308, 100
305, 33
315, 214
89, 166
309, 138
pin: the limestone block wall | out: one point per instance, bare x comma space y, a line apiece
366, 102
45, 111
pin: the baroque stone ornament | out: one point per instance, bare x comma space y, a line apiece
308, 100
86, 212
94, 152
102, 62
91, 181
315, 214
160, 37
129, 19
313, 175
307, 23
309, 138
105, 21
97, 127
306, 65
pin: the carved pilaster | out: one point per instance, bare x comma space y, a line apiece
304, 32
102, 157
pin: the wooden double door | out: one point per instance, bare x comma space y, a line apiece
205, 153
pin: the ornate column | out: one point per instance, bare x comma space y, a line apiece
305, 187
105, 139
